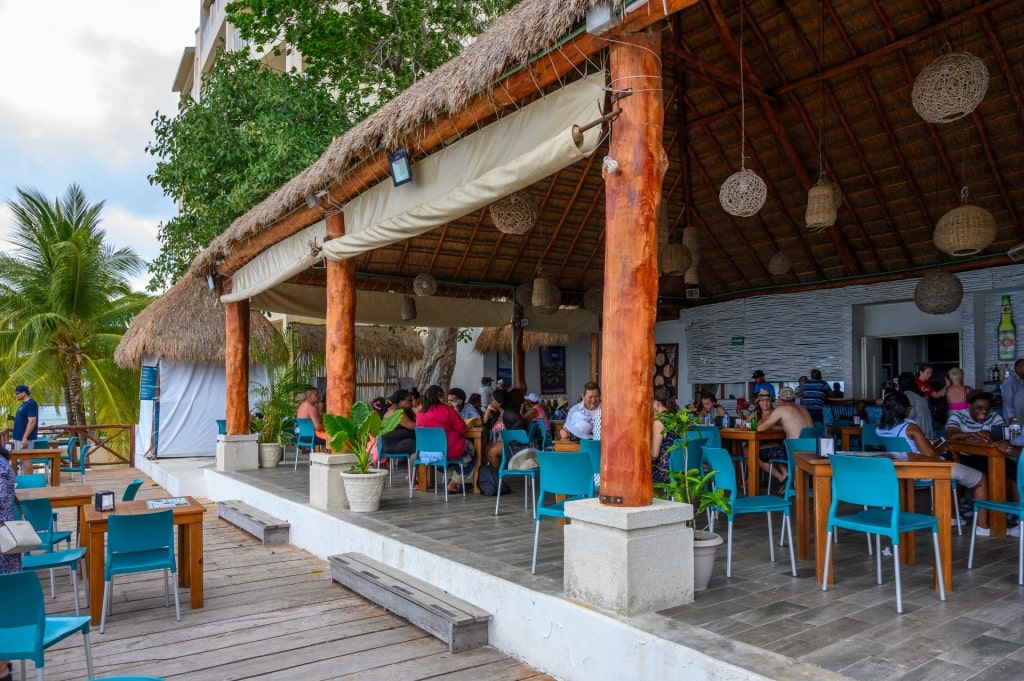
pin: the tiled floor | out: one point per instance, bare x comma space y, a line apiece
853, 628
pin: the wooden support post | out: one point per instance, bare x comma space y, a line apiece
633, 197
340, 354
595, 357
236, 367
518, 358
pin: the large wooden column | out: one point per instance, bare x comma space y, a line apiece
633, 196
236, 367
340, 357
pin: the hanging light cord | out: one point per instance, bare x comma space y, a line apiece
821, 80
743, 101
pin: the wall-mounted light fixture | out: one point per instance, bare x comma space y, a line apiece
401, 171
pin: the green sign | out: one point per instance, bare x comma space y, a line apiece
738, 340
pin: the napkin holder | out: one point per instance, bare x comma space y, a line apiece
104, 500
826, 447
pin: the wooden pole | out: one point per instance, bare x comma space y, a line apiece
518, 357
595, 357
236, 367
633, 197
340, 354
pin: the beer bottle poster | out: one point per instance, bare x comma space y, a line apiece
1007, 332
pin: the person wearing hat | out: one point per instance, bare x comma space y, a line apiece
761, 384
26, 419
789, 417
561, 409
533, 410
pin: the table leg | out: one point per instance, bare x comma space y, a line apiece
803, 515
997, 492
183, 557
753, 469
96, 555
846, 441
944, 512
194, 530
55, 472
822, 501
908, 551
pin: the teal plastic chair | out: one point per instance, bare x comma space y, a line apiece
900, 444
593, 449
29, 480
568, 473
871, 482
222, 426
713, 438
83, 457
725, 478
69, 448
531, 475
1015, 507
26, 631
539, 434
131, 490
41, 443
683, 459
435, 441
869, 437
39, 512
306, 438
392, 457
69, 558
139, 543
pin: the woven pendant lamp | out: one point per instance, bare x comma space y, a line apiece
691, 239
965, 230
424, 284
779, 264
938, 293
408, 308
674, 259
593, 299
821, 206
524, 294
515, 213
546, 296
950, 87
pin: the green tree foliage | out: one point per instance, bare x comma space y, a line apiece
65, 303
367, 50
252, 130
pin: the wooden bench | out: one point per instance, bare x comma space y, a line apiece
461, 625
267, 528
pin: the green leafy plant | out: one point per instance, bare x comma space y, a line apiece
352, 433
691, 485
276, 401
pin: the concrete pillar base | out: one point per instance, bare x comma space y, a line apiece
238, 452
326, 489
629, 561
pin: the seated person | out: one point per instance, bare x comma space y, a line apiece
457, 400
975, 424
769, 450
401, 440
709, 411
509, 418
308, 410
583, 422
437, 413
532, 410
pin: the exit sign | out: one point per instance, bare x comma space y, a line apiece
738, 340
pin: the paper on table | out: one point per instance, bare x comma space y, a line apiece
167, 503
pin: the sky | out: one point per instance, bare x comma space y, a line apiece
78, 91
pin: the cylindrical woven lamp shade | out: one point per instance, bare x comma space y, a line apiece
408, 308
779, 264
938, 293
515, 213
546, 296
965, 230
691, 239
424, 284
674, 259
593, 300
950, 87
821, 206
743, 193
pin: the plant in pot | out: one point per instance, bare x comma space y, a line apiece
356, 434
275, 404
690, 486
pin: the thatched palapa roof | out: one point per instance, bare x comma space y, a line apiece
499, 339
378, 342
186, 324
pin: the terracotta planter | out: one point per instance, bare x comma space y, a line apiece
364, 489
705, 546
270, 454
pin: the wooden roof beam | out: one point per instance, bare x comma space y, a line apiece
709, 73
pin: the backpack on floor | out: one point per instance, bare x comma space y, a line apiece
487, 482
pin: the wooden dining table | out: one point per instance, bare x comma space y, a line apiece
65, 496
996, 475
754, 439
52, 455
845, 432
188, 518
815, 472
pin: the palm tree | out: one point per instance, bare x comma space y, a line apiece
65, 302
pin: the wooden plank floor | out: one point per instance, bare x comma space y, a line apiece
269, 610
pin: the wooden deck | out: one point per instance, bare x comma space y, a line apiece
268, 610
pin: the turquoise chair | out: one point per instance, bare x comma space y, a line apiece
222, 426
593, 450
1015, 507
567, 473
713, 438
390, 456
68, 558
900, 444
26, 631
869, 437
39, 512
683, 459
531, 475
29, 480
131, 490
434, 440
871, 482
42, 443
139, 543
305, 438
83, 457
538, 433
725, 478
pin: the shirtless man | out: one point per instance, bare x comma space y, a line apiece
792, 418
308, 410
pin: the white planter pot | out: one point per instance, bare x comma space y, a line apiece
705, 546
364, 489
270, 454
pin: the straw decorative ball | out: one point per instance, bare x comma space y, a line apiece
779, 264
424, 284
965, 230
593, 299
950, 87
515, 213
674, 259
938, 293
743, 193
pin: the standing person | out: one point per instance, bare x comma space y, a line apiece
800, 389
26, 419
308, 410
437, 413
486, 390
919, 409
956, 391
816, 391
761, 384
924, 376
1013, 394
583, 421
9, 562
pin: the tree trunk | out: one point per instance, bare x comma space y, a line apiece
74, 401
438, 358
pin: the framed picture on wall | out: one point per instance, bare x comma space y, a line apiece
552, 369
666, 366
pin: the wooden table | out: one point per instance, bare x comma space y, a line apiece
189, 518
996, 475
909, 467
754, 440
65, 496
845, 433
566, 445
52, 454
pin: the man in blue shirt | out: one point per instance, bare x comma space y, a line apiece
26, 419
1013, 394
759, 385
815, 392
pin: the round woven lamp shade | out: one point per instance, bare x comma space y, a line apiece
593, 299
546, 296
408, 308
950, 87
424, 284
515, 213
821, 206
965, 230
674, 259
524, 294
780, 264
938, 293
743, 193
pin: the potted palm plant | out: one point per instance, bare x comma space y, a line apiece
275, 403
690, 486
356, 434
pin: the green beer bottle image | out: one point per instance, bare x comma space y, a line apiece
1007, 332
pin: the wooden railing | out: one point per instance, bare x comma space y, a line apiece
112, 445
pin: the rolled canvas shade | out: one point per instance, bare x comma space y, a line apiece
506, 156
